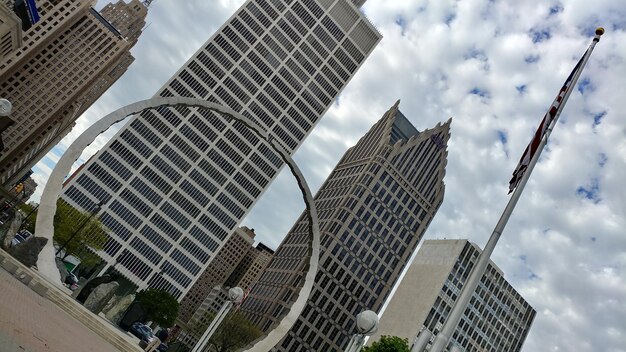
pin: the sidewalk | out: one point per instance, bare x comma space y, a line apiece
31, 323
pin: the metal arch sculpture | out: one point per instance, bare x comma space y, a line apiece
47, 206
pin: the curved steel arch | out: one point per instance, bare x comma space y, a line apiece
52, 191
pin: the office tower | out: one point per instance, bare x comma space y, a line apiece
251, 267
176, 182
245, 275
10, 31
218, 271
373, 210
67, 60
497, 319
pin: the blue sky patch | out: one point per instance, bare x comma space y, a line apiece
539, 36
481, 93
585, 86
450, 18
592, 192
502, 136
400, 21
597, 118
531, 59
474, 53
603, 159
556, 9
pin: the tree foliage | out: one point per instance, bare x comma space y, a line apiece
388, 344
90, 236
161, 307
234, 332
30, 212
86, 229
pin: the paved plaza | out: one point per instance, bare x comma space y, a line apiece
29, 322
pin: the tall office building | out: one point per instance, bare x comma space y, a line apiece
10, 31
67, 60
373, 210
497, 318
219, 270
176, 182
244, 276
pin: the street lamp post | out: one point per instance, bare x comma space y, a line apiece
366, 324
235, 296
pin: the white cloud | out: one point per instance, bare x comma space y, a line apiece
514, 56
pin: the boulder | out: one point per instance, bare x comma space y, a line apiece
27, 252
100, 296
118, 308
16, 223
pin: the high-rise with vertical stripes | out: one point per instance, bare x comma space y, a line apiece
175, 182
373, 210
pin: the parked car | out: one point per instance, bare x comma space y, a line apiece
25, 233
16, 240
71, 279
142, 331
162, 347
22, 236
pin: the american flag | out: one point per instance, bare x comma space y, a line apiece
555, 108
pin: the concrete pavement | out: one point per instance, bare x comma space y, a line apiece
31, 323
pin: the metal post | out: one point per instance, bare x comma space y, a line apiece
356, 342
204, 340
422, 341
366, 324
235, 295
470, 285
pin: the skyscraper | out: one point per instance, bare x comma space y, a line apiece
176, 182
10, 31
497, 319
219, 270
244, 275
373, 210
67, 60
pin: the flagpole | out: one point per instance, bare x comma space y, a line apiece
443, 337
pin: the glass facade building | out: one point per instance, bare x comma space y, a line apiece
176, 182
373, 209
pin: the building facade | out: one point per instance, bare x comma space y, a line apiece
10, 31
497, 319
67, 60
176, 182
216, 274
244, 276
373, 210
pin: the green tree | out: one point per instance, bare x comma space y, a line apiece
76, 230
82, 231
30, 211
388, 344
234, 332
161, 307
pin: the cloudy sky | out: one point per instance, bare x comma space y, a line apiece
495, 67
